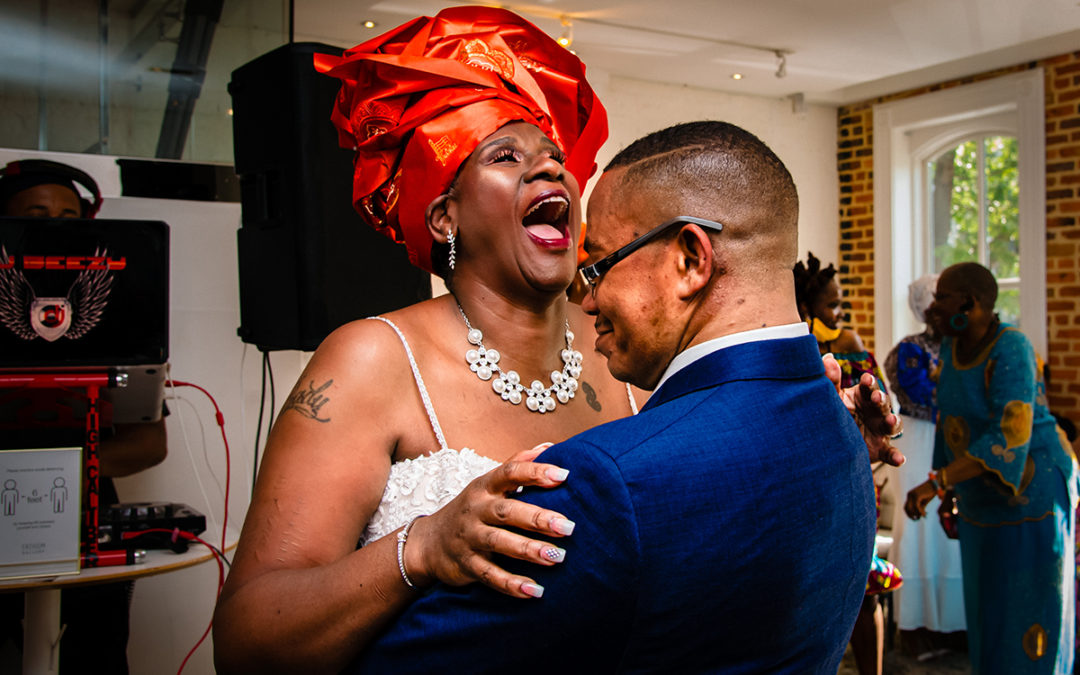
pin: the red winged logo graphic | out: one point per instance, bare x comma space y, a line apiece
31, 317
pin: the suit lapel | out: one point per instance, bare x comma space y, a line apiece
782, 359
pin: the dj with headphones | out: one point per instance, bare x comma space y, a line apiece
96, 616
39, 188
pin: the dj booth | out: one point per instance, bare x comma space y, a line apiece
84, 307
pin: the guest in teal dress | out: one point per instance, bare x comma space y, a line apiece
819, 299
1015, 479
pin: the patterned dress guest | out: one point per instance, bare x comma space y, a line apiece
1015, 480
933, 594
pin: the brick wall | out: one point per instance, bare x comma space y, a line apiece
855, 162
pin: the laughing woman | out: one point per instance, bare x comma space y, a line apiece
1014, 477
474, 131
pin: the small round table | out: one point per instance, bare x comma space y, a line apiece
41, 618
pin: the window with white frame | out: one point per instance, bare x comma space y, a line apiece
959, 174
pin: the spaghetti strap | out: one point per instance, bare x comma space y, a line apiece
419, 383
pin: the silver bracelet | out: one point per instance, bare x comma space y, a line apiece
402, 536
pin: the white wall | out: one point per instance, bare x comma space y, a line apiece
805, 141
171, 611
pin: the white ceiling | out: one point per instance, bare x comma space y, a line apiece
837, 51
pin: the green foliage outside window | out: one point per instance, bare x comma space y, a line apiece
956, 220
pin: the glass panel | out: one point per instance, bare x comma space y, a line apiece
954, 205
1008, 305
75, 78
1002, 206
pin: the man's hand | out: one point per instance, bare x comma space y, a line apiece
917, 499
870, 407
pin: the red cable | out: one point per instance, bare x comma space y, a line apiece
218, 557
228, 468
225, 518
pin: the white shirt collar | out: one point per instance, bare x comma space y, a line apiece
691, 354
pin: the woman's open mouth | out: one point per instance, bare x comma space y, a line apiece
547, 220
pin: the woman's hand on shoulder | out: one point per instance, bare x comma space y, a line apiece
455, 545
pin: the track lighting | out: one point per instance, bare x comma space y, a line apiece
567, 37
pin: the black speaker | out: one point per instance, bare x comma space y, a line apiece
308, 262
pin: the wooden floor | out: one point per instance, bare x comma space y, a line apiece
901, 663
919, 653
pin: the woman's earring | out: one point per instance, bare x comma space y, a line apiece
959, 321
450, 239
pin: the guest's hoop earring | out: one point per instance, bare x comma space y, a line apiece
451, 239
959, 321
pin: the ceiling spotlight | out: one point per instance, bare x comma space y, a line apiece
781, 66
369, 24
736, 76
567, 37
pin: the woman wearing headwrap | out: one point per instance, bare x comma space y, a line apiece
1014, 476
932, 596
473, 131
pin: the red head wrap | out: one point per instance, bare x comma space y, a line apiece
416, 101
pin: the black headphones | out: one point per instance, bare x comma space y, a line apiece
26, 173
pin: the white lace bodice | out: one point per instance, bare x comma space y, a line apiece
421, 486
418, 487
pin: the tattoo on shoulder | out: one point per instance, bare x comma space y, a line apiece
590, 396
308, 402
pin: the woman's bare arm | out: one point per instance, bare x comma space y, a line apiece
299, 592
300, 596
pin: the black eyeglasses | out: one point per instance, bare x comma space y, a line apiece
592, 273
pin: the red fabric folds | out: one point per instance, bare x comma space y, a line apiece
416, 101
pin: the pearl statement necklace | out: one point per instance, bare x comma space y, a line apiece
538, 398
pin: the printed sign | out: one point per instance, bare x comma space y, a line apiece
40, 503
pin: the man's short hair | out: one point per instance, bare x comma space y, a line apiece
704, 164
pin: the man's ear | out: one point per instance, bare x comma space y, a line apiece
695, 256
439, 218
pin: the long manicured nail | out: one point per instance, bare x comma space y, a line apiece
535, 590
554, 554
562, 526
557, 474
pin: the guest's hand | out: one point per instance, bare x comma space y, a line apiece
456, 543
870, 406
918, 498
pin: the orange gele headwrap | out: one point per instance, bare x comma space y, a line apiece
416, 101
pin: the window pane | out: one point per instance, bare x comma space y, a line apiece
1008, 305
1002, 206
79, 76
954, 205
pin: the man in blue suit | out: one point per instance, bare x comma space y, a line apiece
729, 526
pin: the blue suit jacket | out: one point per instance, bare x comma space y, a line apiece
726, 528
